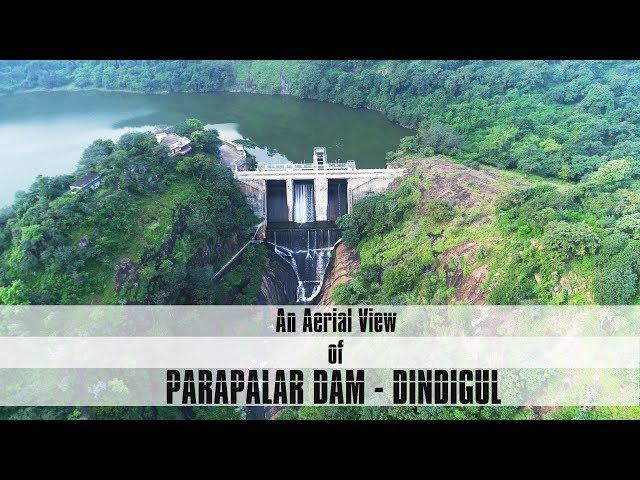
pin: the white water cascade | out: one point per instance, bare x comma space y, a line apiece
308, 251
303, 203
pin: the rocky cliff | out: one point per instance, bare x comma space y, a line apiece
279, 282
344, 261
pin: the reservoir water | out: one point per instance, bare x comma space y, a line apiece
44, 133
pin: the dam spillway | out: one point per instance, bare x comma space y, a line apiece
301, 202
308, 251
277, 209
303, 198
338, 203
305, 244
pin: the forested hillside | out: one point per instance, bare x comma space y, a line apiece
449, 233
155, 231
554, 118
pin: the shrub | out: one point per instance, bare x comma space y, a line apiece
397, 279
440, 210
598, 100
251, 162
513, 289
369, 274
409, 144
610, 176
629, 224
611, 246
630, 256
378, 214
206, 140
439, 137
521, 196
495, 147
615, 286
189, 126
353, 293
15, 294
390, 156
570, 239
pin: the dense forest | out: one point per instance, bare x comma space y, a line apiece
553, 118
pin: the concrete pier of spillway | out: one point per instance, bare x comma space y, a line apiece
271, 188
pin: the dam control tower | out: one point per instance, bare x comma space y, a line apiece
313, 191
319, 157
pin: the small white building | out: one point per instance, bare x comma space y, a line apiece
239, 148
90, 181
177, 145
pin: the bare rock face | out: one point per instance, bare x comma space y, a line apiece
126, 270
463, 186
83, 242
253, 197
279, 283
469, 286
343, 263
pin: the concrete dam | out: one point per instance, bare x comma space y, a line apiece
301, 202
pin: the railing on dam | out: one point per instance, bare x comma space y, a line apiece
309, 170
304, 167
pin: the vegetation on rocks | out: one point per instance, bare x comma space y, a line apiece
155, 232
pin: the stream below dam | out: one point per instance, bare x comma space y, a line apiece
304, 243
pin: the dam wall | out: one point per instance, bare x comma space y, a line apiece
324, 191
299, 204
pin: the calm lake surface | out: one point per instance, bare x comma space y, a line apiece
45, 133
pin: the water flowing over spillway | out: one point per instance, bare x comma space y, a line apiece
303, 243
308, 251
303, 202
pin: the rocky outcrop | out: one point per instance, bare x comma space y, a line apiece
254, 198
83, 242
279, 282
463, 186
469, 285
344, 262
472, 191
126, 271
471, 288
